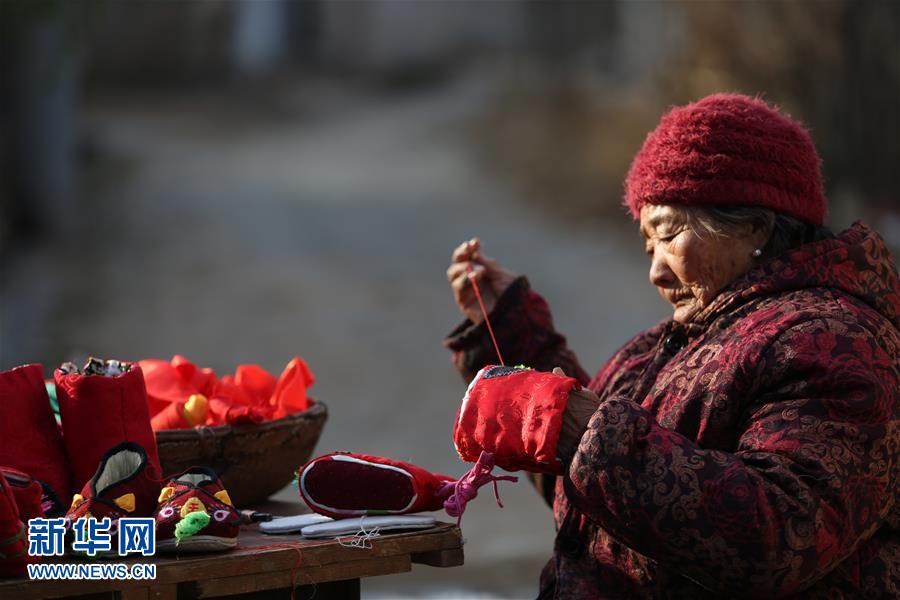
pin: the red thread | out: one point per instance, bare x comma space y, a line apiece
471, 277
294, 569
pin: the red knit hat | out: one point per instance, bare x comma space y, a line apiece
729, 150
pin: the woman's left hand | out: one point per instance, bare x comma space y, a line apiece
580, 406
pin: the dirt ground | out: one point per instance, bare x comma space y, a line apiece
320, 224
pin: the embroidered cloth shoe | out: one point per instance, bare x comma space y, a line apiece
195, 514
516, 414
104, 405
27, 492
34, 498
125, 484
30, 440
343, 484
13, 539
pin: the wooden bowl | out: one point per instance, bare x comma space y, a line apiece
254, 461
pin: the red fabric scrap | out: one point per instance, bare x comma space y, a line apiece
250, 395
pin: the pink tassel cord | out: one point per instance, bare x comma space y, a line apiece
465, 489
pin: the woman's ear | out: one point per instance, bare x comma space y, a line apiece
762, 231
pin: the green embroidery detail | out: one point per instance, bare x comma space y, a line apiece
190, 525
15, 538
16, 555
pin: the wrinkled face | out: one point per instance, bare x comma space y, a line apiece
689, 270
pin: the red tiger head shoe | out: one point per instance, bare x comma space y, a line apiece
126, 484
195, 514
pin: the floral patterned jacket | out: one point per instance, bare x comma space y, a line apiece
754, 452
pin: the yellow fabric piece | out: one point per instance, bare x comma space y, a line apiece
223, 497
166, 493
75, 500
192, 505
195, 409
125, 502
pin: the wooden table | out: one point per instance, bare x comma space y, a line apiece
263, 566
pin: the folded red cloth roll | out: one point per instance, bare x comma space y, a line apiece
515, 413
99, 412
182, 414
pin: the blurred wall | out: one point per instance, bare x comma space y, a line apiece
143, 42
387, 34
40, 83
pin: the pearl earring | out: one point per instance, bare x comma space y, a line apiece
757, 253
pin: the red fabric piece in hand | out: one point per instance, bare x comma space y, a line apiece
99, 412
515, 413
30, 440
344, 484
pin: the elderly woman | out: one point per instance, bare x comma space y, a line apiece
750, 444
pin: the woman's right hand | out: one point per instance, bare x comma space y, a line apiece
492, 279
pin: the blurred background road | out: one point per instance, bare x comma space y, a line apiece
242, 182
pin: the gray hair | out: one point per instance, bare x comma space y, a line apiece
785, 232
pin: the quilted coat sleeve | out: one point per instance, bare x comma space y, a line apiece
815, 469
524, 330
